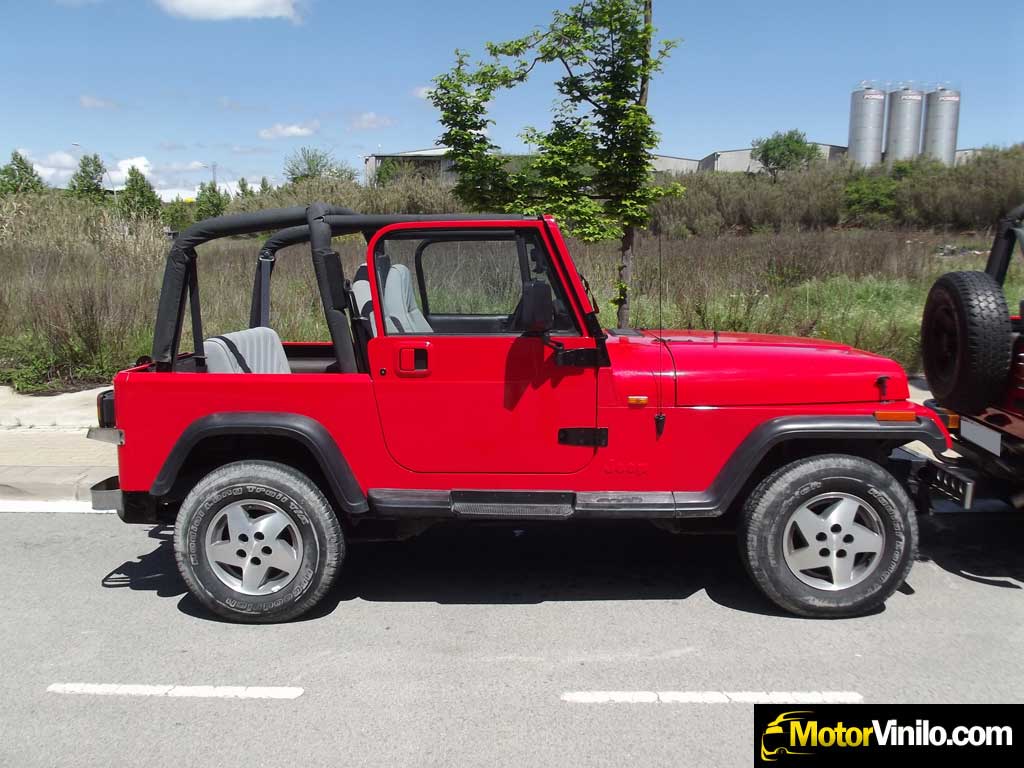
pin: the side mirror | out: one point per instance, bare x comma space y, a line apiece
538, 308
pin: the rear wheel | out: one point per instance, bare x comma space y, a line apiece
828, 536
257, 541
966, 341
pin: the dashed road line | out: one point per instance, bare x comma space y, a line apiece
712, 697
178, 691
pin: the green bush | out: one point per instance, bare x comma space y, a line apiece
869, 200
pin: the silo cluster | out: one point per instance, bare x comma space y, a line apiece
902, 123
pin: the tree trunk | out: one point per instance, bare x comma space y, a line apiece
629, 234
645, 83
625, 275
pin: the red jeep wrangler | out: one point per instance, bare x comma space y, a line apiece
467, 377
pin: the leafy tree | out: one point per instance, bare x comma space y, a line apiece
87, 181
313, 163
593, 166
245, 189
19, 176
178, 214
784, 152
265, 187
138, 199
869, 200
210, 201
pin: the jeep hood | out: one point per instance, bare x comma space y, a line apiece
729, 369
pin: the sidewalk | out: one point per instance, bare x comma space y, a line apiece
44, 454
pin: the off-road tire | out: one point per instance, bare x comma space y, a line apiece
966, 341
768, 509
322, 537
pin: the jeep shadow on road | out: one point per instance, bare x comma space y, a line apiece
536, 563
530, 564
503, 564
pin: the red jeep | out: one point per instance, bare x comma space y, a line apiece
467, 377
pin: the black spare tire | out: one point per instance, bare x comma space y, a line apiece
966, 341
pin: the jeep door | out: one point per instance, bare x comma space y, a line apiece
459, 387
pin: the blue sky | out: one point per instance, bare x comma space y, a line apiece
173, 85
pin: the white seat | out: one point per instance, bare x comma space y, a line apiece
401, 313
256, 350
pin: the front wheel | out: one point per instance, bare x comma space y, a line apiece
257, 541
828, 536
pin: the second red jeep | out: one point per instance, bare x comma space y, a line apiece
467, 377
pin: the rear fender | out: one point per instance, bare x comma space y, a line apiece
309, 435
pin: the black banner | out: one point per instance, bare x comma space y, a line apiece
808, 735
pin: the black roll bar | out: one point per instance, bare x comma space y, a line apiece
1008, 231
317, 223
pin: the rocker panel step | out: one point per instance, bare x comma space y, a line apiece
538, 505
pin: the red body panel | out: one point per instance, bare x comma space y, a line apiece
486, 411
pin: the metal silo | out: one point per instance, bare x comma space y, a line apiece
941, 120
903, 132
867, 123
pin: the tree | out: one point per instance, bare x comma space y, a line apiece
211, 202
20, 177
784, 152
178, 214
265, 187
593, 166
87, 181
138, 199
245, 189
313, 163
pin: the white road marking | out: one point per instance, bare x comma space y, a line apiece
712, 697
178, 691
85, 507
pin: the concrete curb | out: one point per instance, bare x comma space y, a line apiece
55, 483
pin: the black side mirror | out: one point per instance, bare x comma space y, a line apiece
538, 307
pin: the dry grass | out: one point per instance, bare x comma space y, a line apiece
80, 288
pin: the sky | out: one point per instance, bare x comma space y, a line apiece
174, 86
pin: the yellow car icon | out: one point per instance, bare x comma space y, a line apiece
774, 728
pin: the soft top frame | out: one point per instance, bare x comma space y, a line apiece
315, 224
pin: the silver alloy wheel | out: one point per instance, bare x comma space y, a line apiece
254, 547
834, 541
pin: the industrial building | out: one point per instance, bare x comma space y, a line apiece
433, 163
886, 125
742, 160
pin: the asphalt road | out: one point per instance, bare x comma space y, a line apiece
456, 648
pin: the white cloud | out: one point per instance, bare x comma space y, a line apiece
288, 131
194, 165
422, 91
368, 121
167, 194
246, 149
87, 101
55, 169
221, 10
119, 173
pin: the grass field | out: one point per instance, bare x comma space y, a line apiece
79, 294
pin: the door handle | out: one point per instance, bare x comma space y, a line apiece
413, 360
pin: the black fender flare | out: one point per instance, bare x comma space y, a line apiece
748, 455
307, 432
